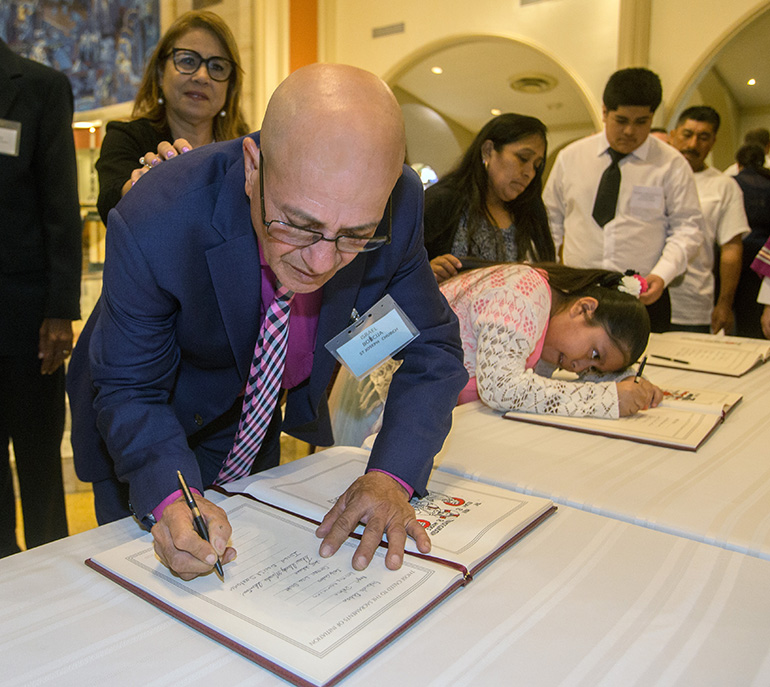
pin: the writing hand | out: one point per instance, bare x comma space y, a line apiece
179, 546
636, 396
445, 266
379, 502
55, 344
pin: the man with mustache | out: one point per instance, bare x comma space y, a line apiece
721, 199
621, 199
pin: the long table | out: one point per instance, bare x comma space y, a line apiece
582, 600
719, 494
588, 598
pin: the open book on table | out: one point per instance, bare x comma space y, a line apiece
313, 620
684, 419
725, 355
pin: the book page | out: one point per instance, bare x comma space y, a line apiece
760, 346
665, 426
311, 615
699, 400
465, 520
716, 356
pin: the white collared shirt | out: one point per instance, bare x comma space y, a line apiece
721, 199
658, 223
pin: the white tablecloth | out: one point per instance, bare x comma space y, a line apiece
719, 494
583, 600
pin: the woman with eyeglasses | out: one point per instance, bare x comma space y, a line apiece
489, 208
189, 96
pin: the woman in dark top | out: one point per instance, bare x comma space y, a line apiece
490, 206
754, 180
189, 96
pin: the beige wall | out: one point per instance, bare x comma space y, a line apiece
711, 91
581, 35
686, 35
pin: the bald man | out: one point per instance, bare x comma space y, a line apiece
195, 254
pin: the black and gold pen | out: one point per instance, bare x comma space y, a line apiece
200, 524
640, 370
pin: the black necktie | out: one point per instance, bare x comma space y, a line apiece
607, 193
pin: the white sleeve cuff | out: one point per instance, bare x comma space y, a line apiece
665, 270
764, 292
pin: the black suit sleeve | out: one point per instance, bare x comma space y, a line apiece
56, 176
123, 145
439, 232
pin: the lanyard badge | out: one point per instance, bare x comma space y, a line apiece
373, 338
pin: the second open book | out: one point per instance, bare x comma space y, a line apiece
725, 355
313, 620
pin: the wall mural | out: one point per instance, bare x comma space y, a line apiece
101, 45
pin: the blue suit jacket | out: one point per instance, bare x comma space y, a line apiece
170, 345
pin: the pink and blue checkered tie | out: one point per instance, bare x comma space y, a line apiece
262, 388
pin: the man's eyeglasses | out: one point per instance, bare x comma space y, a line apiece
188, 62
302, 238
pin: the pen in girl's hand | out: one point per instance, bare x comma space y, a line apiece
640, 370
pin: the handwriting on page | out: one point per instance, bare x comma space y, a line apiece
299, 579
279, 570
279, 586
704, 355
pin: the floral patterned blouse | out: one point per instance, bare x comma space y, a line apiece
485, 241
504, 313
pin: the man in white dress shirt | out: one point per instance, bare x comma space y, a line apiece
655, 226
721, 200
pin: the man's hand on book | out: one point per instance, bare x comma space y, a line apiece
381, 504
180, 547
636, 396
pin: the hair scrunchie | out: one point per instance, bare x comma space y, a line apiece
632, 283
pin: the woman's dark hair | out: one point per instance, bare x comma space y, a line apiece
752, 156
622, 315
469, 181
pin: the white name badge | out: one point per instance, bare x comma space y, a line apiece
10, 134
373, 338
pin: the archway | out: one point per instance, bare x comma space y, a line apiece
721, 81
479, 76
